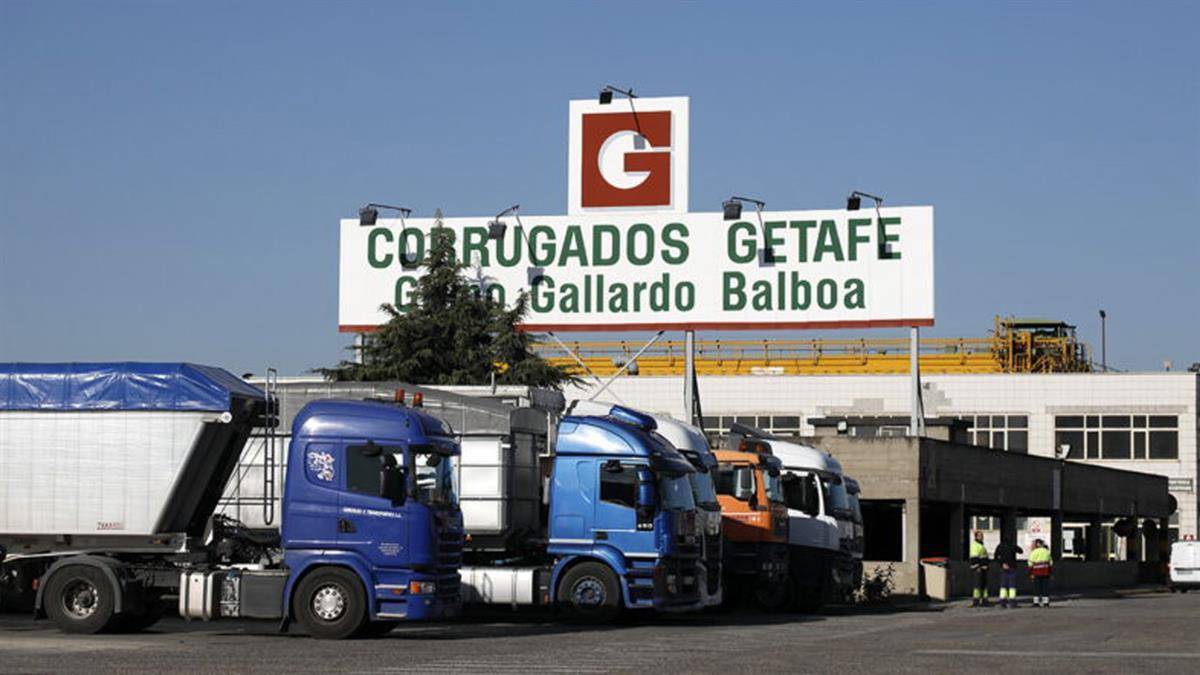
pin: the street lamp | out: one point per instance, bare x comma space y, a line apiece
369, 214
606, 97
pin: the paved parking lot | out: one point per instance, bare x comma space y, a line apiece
1139, 632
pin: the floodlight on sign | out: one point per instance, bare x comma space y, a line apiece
369, 214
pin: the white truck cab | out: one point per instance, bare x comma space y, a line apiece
1185, 566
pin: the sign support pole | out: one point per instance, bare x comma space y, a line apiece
916, 416
689, 376
626, 366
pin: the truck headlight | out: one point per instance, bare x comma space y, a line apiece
422, 587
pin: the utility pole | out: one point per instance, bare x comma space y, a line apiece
689, 376
916, 415
1103, 341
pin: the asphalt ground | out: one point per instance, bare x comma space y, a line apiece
1138, 632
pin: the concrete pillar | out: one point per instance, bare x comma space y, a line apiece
1095, 540
1008, 525
1056, 535
1133, 543
1164, 539
912, 531
958, 532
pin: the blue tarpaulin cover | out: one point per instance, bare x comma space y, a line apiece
119, 386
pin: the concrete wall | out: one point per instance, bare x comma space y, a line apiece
1068, 575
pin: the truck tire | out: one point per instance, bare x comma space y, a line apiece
773, 596
590, 593
330, 604
80, 599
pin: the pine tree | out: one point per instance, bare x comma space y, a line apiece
453, 334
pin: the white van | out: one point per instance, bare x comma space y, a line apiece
1185, 565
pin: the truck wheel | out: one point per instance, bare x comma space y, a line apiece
589, 592
79, 599
773, 596
330, 603
809, 600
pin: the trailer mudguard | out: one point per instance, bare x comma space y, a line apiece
604, 554
300, 562
109, 566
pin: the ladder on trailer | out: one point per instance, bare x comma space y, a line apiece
260, 452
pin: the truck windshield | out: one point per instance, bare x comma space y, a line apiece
736, 481
773, 487
434, 477
836, 496
800, 491
855, 509
676, 493
703, 491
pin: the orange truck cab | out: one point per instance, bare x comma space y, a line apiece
754, 525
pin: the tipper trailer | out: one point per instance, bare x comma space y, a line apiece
110, 475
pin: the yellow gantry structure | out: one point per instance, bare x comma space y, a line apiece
1016, 346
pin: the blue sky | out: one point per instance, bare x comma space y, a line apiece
171, 174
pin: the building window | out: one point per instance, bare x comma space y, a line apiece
1002, 432
717, 426
1118, 436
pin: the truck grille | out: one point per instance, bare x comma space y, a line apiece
449, 559
712, 561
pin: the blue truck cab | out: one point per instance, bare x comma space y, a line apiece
622, 518
372, 516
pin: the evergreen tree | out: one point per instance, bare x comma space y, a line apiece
453, 334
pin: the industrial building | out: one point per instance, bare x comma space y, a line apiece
1030, 388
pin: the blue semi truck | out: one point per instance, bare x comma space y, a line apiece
113, 474
588, 514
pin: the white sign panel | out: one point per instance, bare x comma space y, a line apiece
628, 155
655, 270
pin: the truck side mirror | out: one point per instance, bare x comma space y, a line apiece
392, 483
647, 500
371, 450
613, 466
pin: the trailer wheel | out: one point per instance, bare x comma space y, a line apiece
330, 603
589, 592
79, 599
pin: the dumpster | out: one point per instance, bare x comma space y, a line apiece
935, 578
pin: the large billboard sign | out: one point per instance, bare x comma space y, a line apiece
629, 255
649, 270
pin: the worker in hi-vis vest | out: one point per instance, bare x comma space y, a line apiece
1006, 555
979, 565
1041, 566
